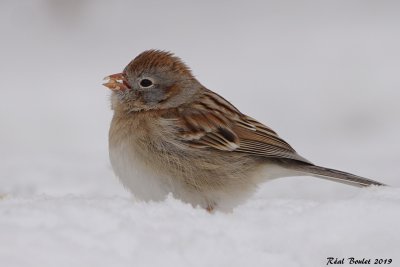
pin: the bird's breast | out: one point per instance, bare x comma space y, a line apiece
135, 148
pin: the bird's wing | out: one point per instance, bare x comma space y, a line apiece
214, 123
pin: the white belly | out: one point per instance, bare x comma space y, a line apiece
135, 173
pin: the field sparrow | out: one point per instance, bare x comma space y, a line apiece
170, 134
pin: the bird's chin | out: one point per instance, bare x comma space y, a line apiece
127, 102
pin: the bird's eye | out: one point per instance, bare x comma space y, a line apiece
145, 83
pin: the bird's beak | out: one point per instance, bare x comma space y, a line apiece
117, 82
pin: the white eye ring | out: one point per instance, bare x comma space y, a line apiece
146, 83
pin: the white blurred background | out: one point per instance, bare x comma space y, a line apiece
323, 74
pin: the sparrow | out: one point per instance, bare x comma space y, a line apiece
171, 135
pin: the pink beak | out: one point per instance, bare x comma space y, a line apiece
117, 82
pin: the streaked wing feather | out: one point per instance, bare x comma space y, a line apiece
263, 141
212, 122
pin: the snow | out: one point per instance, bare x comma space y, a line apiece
115, 231
324, 76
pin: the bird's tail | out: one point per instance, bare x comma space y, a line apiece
333, 175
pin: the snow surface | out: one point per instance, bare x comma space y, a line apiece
324, 75
115, 231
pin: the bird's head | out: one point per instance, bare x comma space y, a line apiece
153, 80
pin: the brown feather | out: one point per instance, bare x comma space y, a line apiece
191, 142
214, 123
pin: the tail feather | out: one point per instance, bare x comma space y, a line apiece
334, 175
